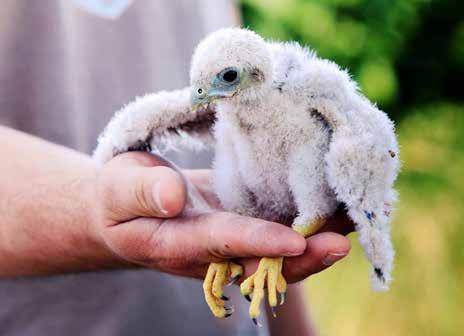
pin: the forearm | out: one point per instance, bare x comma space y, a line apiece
293, 317
46, 213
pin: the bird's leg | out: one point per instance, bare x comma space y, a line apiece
217, 276
310, 227
269, 273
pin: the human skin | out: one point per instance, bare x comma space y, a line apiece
60, 212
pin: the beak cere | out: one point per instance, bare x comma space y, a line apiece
202, 98
224, 85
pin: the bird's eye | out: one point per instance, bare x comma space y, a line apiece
200, 91
230, 76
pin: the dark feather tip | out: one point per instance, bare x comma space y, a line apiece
379, 273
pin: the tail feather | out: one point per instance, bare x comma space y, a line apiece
374, 236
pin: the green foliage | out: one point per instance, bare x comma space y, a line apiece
408, 56
402, 52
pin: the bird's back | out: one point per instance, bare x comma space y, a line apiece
290, 64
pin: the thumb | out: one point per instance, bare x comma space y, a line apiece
138, 185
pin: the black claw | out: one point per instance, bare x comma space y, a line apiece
234, 280
229, 310
282, 298
273, 310
255, 321
225, 298
248, 297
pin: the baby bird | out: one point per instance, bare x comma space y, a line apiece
294, 138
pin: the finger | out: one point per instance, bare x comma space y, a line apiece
199, 176
323, 250
230, 235
202, 179
190, 242
222, 235
132, 185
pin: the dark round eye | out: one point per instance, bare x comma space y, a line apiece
200, 91
230, 76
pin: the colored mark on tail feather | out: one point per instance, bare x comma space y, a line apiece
369, 215
379, 274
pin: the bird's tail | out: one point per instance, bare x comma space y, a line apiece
373, 228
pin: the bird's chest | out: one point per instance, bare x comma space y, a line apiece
263, 168
260, 152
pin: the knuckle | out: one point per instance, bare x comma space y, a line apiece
141, 248
106, 191
141, 196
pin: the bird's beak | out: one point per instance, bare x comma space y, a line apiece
198, 100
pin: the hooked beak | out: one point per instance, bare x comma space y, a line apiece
197, 100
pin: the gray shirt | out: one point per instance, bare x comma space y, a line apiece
63, 73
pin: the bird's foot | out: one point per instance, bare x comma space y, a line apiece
269, 273
217, 276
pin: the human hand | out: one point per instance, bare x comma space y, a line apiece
137, 202
139, 199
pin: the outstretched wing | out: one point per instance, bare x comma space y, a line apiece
362, 162
157, 122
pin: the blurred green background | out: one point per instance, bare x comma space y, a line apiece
408, 57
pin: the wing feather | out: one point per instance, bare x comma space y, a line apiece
158, 122
362, 162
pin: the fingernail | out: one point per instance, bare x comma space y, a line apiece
332, 257
157, 197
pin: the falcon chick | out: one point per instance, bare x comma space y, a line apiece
294, 138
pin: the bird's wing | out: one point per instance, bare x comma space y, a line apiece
362, 162
158, 121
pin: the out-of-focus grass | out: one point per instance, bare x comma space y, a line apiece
427, 295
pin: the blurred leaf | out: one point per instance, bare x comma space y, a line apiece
378, 81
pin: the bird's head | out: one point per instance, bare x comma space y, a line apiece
228, 62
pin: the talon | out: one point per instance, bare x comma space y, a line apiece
282, 297
268, 274
255, 321
273, 310
225, 298
248, 297
234, 280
